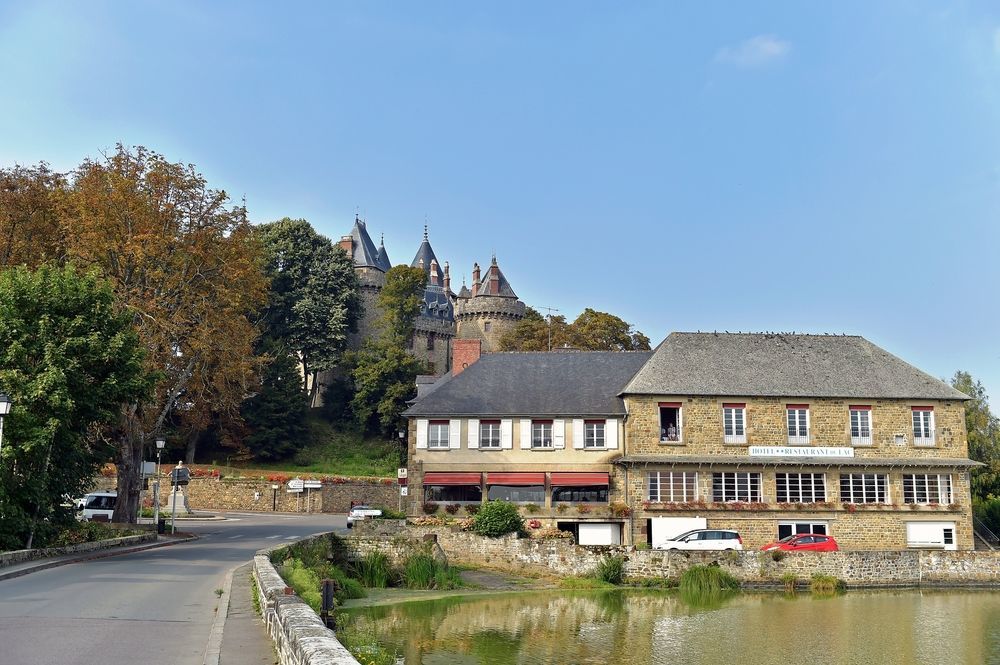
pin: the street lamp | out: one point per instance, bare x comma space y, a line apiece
161, 443
274, 499
5, 404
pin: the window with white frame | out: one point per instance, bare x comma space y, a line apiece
670, 422
923, 426
437, 434
541, 433
800, 487
927, 488
736, 486
734, 423
489, 434
798, 423
672, 486
861, 425
786, 529
593, 433
864, 488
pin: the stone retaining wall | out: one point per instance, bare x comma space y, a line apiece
299, 636
20, 556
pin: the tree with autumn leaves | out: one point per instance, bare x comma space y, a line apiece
591, 331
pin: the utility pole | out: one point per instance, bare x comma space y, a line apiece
548, 316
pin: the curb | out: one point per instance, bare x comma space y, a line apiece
90, 556
213, 650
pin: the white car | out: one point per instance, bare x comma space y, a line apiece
359, 513
97, 506
705, 539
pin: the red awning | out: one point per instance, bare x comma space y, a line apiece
578, 479
452, 478
509, 478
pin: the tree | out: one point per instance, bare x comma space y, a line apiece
69, 358
591, 331
384, 372
313, 301
984, 437
29, 215
276, 415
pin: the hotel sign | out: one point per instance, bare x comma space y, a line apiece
801, 451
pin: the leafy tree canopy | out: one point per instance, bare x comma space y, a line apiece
591, 331
984, 437
276, 415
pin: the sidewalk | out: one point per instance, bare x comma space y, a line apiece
244, 640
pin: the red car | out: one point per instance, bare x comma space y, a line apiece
803, 542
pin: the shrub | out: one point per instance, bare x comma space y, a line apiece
619, 509
583, 509
561, 508
788, 580
304, 581
423, 571
826, 584
472, 508
531, 508
374, 571
611, 569
391, 514
452, 508
429, 507
778, 555
497, 518
642, 546
707, 580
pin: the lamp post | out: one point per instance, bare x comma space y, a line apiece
5, 405
161, 443
274, 498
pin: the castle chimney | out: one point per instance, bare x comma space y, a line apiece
475, 279
447, 278
464, 352
493, 288
347, 244
434, 272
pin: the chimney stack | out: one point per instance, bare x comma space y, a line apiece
464, 352
447, 278
475, 279
434, 272
347, 244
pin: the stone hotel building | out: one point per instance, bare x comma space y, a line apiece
767, 434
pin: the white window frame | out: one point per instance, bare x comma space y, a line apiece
861, 439
864, 494
494, 426
590, 434
436, 442
916, 482
798, 437
808, 487
926, 426
729, 421
736, 485
542, 424
680, 424
672, 486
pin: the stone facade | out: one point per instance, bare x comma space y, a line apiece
487, 318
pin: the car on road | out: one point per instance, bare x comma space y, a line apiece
803, 542
705, 539
97, 506
359, 513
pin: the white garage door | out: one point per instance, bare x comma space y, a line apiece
600, 533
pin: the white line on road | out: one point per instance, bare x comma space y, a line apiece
236, 536
273, 537
290, 537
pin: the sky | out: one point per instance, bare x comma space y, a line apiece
811, 167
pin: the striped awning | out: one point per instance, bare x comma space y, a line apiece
512, 478
578, 479
452, 478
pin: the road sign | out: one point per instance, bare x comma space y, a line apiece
294, 490
148, 469
312, 484
404, 490
296, 484
401, 472
180, 475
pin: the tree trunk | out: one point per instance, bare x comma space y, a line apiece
129, 482
192, 446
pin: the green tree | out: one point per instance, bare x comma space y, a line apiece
591, 331
276, 415
313, 300
69, 358
384, 372
984, 437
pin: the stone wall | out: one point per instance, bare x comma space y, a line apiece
20, 556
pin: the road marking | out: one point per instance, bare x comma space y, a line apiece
235, 537
273, 537
290, 537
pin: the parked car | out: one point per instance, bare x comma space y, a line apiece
804, 542
705, 539
97, 506
359, 513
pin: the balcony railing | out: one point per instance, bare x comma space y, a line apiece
798, 440
861, 436
924, 437
734, 438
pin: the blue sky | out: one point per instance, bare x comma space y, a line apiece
734, 166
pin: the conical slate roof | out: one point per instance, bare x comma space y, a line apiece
383, 258
437, 304
494, 283
425, 253
365, 254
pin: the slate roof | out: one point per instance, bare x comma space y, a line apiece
747, 460
426, 253
534, 384
365, 254
437, 303
504, 289
383, 257
782, 365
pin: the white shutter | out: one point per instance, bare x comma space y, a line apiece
473, 434
558, 433
525, 434
421, 432
507, 434
611, 433
578, 433
455, 433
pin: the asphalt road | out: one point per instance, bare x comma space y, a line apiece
149, 607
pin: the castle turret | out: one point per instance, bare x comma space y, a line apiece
492, 310
435, 325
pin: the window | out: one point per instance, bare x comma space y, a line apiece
800, 487
672, 486
430, 341
437, 434
517, 493
453, 493
670, 421
864, 488
734, 423
593, 433
798, 423
861, 425
736, 487
487, 326
786, 529
541, 433
581, 494
489, 434
923, 426
926, 488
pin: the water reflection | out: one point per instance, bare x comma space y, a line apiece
636, 627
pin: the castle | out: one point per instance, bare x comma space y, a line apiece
486, 312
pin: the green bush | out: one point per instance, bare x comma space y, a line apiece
429, 507
611, 569
374, 571
472, 508
789, 581
88, 532
826, 584
390, 514
304, 581
497, 518
707, 580
423, 571
988, 512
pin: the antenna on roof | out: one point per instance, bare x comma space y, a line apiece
548, 316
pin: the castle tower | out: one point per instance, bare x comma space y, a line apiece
435, 325
489, 310
370, 265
